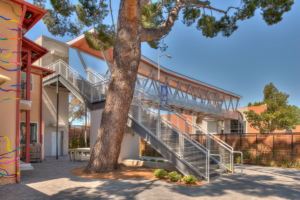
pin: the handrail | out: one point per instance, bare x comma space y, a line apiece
241, 160
219, 166
205, 151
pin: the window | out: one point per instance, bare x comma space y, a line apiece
23, 80
33, 132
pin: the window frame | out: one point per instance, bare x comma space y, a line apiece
31, 81
37, 131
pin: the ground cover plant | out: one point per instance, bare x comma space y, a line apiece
152, 160
160, 173
174, 177
189, 179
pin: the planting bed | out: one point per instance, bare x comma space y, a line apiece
129, 172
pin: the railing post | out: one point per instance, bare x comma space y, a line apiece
208, 165
59, 67
181, 145
273, 148
139, 108
74, 78
292, 153
82, 85
92, 93
100, 86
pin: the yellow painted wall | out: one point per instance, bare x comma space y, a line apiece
8, 108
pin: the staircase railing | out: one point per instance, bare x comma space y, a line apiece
186, 144
185, 125
95, 92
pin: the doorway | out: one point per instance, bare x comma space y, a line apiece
60, 139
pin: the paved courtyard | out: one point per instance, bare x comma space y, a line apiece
52, 180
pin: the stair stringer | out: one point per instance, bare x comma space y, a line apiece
164, 150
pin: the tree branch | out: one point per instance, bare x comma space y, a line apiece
144, 2
150, 34
157, 9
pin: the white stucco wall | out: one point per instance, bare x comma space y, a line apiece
130, 144
49, 117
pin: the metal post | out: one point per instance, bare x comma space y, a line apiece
273, 148
256, 144
240, 142
57, 115
158, 109
292, 148
139, 108
85, 134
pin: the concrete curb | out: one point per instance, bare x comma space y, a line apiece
155, 165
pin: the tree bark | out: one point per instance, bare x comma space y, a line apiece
126, 54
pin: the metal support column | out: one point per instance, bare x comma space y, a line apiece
85, 133
57, 114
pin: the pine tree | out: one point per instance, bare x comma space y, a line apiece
141, 21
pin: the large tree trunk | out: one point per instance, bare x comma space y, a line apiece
127, 54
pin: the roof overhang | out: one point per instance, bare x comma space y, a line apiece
146, 65
40, 70
30, 46
37, 14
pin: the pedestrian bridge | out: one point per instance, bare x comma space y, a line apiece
186, 95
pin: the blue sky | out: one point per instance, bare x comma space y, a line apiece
255, 55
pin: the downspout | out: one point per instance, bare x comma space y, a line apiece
18, 96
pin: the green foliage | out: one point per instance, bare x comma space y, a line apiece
285, 162
105, 38
297, 165
145, 160
161, 161
88, 141
256, 104
272, 163
258, 159
278, 115
76, 109
160, 173
190, 15
65, 17
167, 162
229, 168
152, 160
73, 142
81, 140
174, 177
189, 179
238, 160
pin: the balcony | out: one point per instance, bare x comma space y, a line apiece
25, 104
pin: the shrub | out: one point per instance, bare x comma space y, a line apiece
174, 177
81, 140
228, 168
189, 179
238, 160
272, 163
73, 142
258, 159
145, 160
167, 162
285, 162
162, 161
297, 165
160, 173
152, 160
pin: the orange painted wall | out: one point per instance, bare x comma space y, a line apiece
182, 124
258, 110
8, 108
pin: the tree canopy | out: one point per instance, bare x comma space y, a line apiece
157, 18
76, 109
278, 115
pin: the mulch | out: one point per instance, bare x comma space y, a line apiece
129, 172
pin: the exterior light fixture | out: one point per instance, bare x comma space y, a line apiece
33, 53
28, 15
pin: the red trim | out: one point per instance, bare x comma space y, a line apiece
38, 13
28, 90
18, 101
41, 112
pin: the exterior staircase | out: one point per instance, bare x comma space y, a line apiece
204, 158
